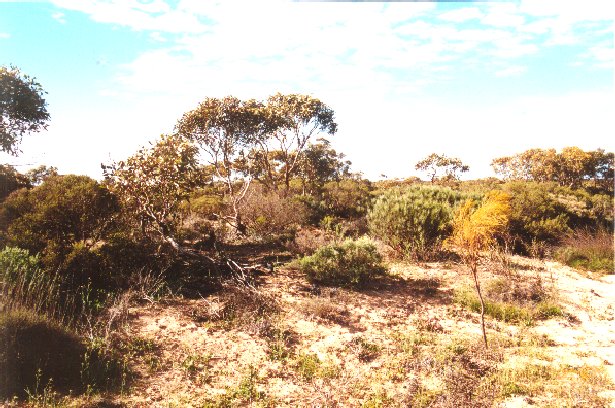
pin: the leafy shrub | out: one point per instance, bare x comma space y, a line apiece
588, 250
60, 212
266, 213
414, 221
351, 262
81, 282
35, 352
347, 198
204, 203
16, 263
537, 217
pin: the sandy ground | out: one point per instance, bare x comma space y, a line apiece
198, 361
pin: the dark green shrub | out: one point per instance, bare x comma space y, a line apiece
10, 180
61, 211
347, 198
352, 262
35, 352
79, 284
414, 221
537, 216
121, 257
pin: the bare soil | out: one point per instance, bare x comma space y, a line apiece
360, 338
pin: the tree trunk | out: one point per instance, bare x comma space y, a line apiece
482, 304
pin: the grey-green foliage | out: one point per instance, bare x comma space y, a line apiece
352, 262
414, 221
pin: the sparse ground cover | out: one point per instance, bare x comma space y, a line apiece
404, 340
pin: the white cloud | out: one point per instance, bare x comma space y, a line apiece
515, 70
59, 17
602, 55
461, 15
155, 15
570, 10
503, 15
373, 64
4, 36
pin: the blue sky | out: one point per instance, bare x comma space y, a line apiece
469, 80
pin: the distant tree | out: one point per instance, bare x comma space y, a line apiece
474, 230
321, 164
153, 182
603, 168
574, 166
39, 174
570, 168
22, 108
11, 180
295, 119
253, 140
225, 129
435, 163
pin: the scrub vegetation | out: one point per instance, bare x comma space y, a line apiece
239, 261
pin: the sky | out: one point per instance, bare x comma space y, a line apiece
472, 80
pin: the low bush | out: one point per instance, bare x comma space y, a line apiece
538, 219
310, 367
347, 198
588, 250
307, 240
351, 262
78, 284
325, 309
414, 221
35, 353
268, 213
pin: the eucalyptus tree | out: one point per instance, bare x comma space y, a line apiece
224, 130
153, 182
254, 140
436, 163
22, 108
295, 120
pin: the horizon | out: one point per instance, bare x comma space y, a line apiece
470, 80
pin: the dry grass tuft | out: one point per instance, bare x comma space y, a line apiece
326, 309
236, 305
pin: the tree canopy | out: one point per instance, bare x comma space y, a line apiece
22, 108
569, 168
255, 140
152, 183
437, 163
